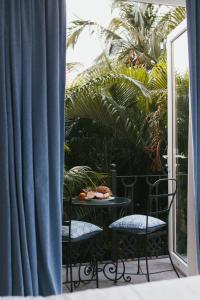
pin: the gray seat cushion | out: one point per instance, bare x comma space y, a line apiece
80, 230
137, 224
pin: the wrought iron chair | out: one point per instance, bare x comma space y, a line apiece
75, 233
153, 222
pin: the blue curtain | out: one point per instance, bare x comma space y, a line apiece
193, 24
32, 73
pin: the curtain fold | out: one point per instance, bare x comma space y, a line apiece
32, 85
193, 26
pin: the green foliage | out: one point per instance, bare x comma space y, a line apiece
127, 104
117, 109
137, 36
171, 20
107, 99
79, 25
73, 66
80, 177
182, 118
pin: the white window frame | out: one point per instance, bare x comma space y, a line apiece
189, 268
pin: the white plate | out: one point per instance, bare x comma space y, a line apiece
102, 200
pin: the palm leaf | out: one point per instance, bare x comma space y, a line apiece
158, 76
80, 177
73, 66
106, 99
77, 27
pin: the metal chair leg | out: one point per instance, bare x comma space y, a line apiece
97, 274
66, 273
147, 268
70, 268
96, 262
116, 271
138, 270
66, 268
115, 255
71, 278
146, 258
173, 266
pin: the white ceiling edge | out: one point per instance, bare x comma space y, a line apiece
165, 2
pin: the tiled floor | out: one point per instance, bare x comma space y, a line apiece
155, 265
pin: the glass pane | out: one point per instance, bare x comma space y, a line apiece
181, 93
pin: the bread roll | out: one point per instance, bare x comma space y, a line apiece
103, 189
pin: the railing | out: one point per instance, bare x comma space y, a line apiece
135, 187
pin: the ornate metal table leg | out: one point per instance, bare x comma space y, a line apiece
111, 271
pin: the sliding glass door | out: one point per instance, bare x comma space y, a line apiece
178, 128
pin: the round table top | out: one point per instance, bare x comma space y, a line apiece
113, 202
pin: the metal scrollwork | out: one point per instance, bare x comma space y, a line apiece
110, 271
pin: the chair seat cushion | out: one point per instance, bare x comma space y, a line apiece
137, 224
80, 230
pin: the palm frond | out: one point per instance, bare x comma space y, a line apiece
95, 71
75, 30
158, 76
67, 148
106, 100
80, 177
171, 20
77, 27
73, 66
105, 81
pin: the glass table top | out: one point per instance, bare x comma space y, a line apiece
113, 201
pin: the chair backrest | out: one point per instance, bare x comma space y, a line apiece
160, 199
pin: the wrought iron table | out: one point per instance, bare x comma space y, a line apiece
104, 212
108, 213
112, 202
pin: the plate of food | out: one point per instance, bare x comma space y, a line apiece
101, 193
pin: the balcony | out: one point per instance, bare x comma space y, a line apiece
136, 188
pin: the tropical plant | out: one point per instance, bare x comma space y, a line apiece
155, 134
110, 100
123, 96
136, 36
129, 102
80, 177
73, 66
